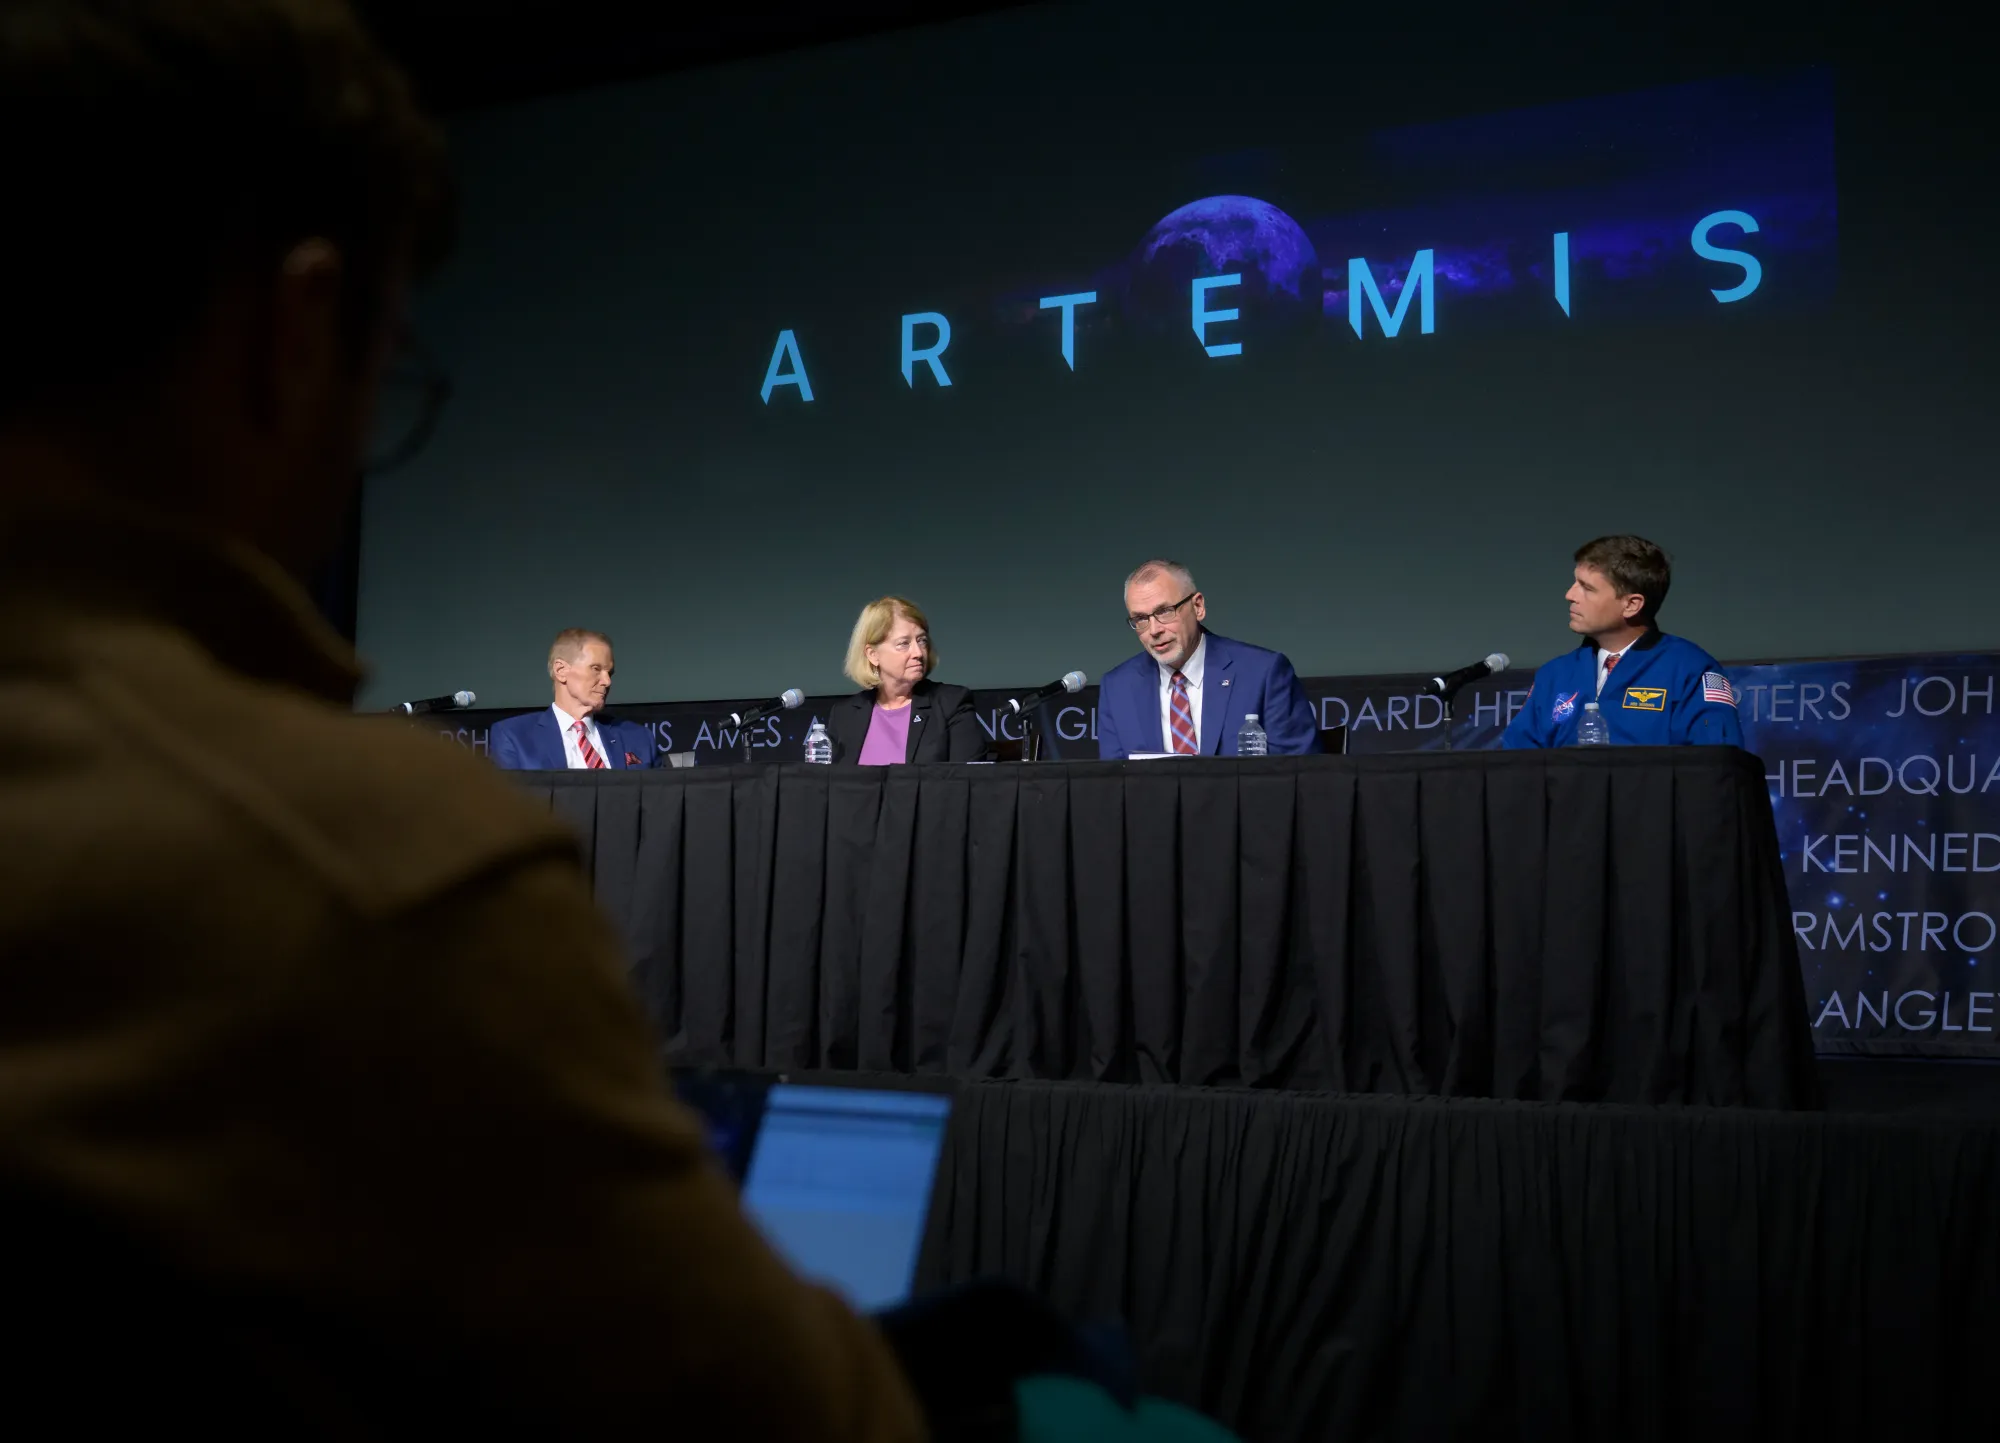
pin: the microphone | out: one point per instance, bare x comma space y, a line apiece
784, 701
1071, 682
457, 701
1451, 681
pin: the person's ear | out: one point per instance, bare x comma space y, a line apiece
305, 342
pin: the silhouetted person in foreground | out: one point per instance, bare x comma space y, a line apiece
324, 1108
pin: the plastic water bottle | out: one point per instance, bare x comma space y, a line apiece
1591, 728
819, 746
1250, 738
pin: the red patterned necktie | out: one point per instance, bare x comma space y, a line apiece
589, 753
1185, 742
1611, 661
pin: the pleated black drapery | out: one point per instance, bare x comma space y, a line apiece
1311, 1268
1551, 925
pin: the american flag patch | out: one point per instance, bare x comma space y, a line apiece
1715, 687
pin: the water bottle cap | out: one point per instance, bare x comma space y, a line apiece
1249, 716
1590, 706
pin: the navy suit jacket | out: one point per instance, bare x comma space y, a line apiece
531, 743
1236, 678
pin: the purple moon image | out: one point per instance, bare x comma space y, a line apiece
1220, 235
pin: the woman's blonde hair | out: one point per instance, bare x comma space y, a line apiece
871, 628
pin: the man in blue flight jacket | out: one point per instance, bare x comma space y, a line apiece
1653, 690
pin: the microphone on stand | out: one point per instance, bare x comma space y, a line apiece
1071, 682
457, 701
1448, 685
784, 701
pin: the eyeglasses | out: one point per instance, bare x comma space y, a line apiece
1164, 616
414, 391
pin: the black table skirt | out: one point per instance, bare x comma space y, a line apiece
1318, 1268
1552, 925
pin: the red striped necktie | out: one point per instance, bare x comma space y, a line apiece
588, 752
1186, 744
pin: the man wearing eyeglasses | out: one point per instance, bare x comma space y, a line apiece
326, 1108
1188, 690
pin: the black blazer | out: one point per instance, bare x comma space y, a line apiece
943, 725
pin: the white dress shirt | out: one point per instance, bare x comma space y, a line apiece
572, 753
1191, 669
1604, 662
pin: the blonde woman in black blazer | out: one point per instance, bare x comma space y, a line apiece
900, 715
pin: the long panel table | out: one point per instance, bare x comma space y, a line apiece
1575, 925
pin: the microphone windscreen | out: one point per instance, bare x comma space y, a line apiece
463, 698
1073, 681
792, 697
1499, 661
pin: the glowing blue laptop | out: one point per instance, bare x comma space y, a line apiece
839, 1179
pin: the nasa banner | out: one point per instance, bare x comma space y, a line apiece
1884, 777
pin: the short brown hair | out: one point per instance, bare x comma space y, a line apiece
160, 145
871, 628
570, 642
1634, 566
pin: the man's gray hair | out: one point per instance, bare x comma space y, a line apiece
1160, 566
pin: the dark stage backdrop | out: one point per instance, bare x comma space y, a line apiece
1369, 316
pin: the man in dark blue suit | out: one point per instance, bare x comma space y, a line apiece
572, 733
1188, 690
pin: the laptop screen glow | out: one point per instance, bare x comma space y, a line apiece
840, 1183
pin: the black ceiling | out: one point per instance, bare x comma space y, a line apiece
466, 53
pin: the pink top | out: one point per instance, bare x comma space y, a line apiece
888, 740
